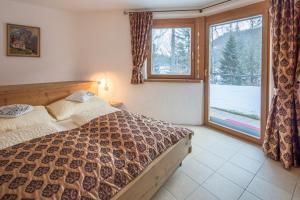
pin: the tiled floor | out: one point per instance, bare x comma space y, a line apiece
223, 167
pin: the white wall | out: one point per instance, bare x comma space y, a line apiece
90, 46
58, 45
105, 52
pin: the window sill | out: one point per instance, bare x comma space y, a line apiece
175, 80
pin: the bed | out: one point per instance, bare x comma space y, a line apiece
138, 180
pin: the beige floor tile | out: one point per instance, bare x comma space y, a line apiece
204, 142
205, 137
201, 193
249, 196
211, 149
181, 185
232, 142
195, 170
222, 188
296, 198
274, 173
254, 152
293, 171
246, 163
199, 130
236, 174
223, 150
296, 195
267, 191
195, 151
210, 160
207, 130
163, 194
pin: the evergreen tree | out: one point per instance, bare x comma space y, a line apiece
230, 69
173, 50
183, 50
252, 67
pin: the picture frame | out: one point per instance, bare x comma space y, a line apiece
23, 41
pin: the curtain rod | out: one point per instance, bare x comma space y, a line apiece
200, 10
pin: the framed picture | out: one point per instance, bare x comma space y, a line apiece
23, 41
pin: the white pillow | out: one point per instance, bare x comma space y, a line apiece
63, 109
80, 96
87, 115
14, 110
39, 114
17, 136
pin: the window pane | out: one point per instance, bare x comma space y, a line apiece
171, 51
235, 75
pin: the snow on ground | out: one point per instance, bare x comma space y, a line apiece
244, 99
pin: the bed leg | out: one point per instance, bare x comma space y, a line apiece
190, 149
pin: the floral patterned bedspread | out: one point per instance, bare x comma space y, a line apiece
94, 161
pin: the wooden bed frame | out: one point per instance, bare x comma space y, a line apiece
149, 181
42, 93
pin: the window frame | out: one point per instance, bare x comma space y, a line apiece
173, 23
260, 8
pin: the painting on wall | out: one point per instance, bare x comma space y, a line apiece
23, 40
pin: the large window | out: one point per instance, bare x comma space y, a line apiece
235, 74
172, 50
237, 71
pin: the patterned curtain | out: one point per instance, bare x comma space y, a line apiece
282, 132
140, 27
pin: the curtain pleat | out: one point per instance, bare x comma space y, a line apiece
140, 27
282, 132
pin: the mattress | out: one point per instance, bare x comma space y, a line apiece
67, 124
87, 115
93, 161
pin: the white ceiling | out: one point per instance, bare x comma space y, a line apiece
89, 5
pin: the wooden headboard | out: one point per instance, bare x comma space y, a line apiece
42, 93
